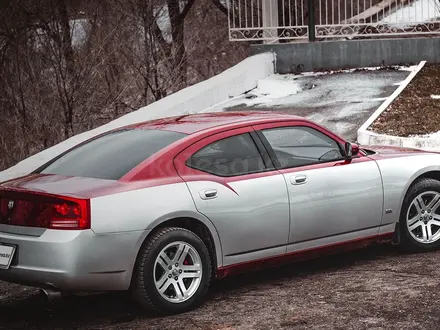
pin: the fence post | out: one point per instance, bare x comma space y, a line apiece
270, 20
311, 5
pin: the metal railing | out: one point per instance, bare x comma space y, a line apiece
275, 20
267, 20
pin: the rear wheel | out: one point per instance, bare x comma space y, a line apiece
420, 216
173, 271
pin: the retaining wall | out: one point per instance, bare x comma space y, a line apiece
341, 54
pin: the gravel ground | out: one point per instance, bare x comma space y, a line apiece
414, 112
374, 288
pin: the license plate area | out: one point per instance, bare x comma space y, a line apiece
6, 255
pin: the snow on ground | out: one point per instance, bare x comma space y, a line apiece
435, 97
280, 90
162, 17
80, 30
272, 89
433, 136
417, 12
341, 101
163, 21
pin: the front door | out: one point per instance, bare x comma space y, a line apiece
236, 187
331, 199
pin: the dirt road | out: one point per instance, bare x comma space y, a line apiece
375, 288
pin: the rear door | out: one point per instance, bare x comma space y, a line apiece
331, 199
236, 186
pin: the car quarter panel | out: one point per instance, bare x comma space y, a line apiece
398, 173
144, 209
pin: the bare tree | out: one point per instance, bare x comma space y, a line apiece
70, 65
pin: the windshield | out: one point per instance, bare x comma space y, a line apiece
112, 155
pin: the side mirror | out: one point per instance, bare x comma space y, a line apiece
354, 149
348, 150
351, 150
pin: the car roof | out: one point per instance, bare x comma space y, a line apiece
192, 123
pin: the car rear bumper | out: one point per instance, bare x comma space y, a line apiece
73, 260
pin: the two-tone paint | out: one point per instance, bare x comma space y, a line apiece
263, 218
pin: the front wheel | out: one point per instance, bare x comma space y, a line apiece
173, 271
420, 216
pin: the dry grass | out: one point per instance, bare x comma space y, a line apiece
414, 112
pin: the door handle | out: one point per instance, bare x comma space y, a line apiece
208, 194
298, 179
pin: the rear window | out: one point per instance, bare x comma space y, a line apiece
111, 156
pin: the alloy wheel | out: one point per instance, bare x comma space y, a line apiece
177, 272
422, 219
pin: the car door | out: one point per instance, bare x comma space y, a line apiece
239, 190
331, 199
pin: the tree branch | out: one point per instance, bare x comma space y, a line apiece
186, 9
222, 8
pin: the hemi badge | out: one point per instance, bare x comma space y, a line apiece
388, 211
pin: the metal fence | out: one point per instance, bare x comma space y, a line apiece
275, 20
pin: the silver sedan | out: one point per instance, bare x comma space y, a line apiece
163, 207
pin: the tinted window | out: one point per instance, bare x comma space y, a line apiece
299, 146
113, 155
236, 155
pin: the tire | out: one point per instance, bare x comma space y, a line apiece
152, 273
427, 191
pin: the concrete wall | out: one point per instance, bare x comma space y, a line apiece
232, 82
351, 53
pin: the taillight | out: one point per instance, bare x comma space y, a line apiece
31, 209
70, 215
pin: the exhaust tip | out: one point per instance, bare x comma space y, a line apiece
51, 295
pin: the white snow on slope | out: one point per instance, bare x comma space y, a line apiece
80, 30
435, 97
435, 135
163, 21
278, 91
419, 11
162, 17
193, 99
273, 88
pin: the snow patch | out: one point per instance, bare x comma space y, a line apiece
435, 97
271, 91
434, 135
419, 11
379, 99
162, 17
194, 99
409, 68
275, 87
80, 30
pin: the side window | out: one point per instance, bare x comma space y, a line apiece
235, 155
300, 146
